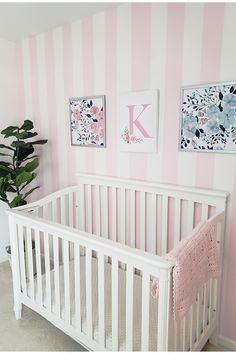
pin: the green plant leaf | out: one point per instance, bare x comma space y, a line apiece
1, 154
27, 125
2, 146
17, 201
39, 142
32, 165
23, 151
4, 166
22, 178
33, 176
25, 135
29, 192
8, 131
31, 157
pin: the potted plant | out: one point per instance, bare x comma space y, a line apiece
18, 164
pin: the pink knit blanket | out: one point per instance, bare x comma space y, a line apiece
195, 261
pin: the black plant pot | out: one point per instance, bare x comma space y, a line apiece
8, 248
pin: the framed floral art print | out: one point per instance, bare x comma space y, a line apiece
87, 121
208, 118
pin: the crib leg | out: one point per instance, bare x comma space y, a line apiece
18, 311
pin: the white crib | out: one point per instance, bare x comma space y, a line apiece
98, 246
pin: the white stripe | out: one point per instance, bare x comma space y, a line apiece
27, 89
157, 82
27, 80
123, 73
99, 80
77, 59
45, 162
60, 106
192, 54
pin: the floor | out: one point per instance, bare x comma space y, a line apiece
33, 332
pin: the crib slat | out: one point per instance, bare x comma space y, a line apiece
191, 340
22, 259
38, 267
190, 218
66, 280
63, 209
77, 288
153, 229
89, 292
199, 314
101, 309
129, 307
54, 210
104, 210
71, 210
145, 311
205, 291
176, 332
47, 271
177, 235
204, 212
122, 210
30, 262
184, 335
81, 208
77, 206
143, 221
132, 218
56, 275
89, 207
114, 304
98, 210
114, 214
164, 224
210, 300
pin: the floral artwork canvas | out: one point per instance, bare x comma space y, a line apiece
87, 121
208, 118
138, 121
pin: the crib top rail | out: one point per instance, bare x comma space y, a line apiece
208, 196
199, 195
124, 253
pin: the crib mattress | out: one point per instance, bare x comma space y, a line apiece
137, 309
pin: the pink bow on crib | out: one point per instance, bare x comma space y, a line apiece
196, 261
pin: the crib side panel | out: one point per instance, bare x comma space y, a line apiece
101, 296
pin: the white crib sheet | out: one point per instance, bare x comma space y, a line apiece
137, 309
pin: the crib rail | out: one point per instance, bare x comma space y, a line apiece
29, 287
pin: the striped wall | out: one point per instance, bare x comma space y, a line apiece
134, 47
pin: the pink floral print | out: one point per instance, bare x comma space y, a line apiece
87, 121
130, 139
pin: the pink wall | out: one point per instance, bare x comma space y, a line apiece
134, 47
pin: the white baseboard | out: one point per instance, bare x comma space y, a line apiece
3, 259
227, 343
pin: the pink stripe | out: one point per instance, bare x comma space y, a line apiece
210, 72
88, 79
69, 92
173, 82
51, 102
20, 82
35, 106
111, 88
141, 42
